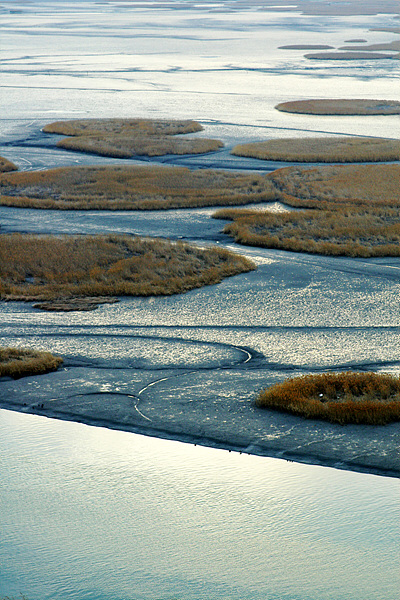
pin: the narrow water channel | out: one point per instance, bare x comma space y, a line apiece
93, 514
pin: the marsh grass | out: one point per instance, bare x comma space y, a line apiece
125, 138
345, 232
332, 186
341, 107
132, 188
352, 211
44, 267
6, 165
344, 398
331, 149
20, 362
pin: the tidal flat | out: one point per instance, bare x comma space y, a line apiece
296, 314
248, 508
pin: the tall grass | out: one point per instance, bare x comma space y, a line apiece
355, 212
341, 107
347, 397
132, 188
44, 267
331, 149
124, 138
20, 362
7, 165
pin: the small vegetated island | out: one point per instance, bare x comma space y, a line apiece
341, 107
6, 165
20, 362
329, 149
347, 210
71, 272
347, 397
131, 188
125, 138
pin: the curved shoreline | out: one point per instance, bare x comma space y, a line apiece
235, 425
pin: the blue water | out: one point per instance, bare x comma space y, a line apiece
93, 514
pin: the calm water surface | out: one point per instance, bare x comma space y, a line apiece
96, 514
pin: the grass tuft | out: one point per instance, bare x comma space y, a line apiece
331, 149
344, 398
341, 107
132, 188
125, 138
6, 165
64, 269
355, 212
21, 362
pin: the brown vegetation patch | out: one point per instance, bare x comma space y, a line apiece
331, 149
131, 188
305, 47
125, 138
6, 165
20, 362
345, 232
331, 186
44, 267
341, 107
349, 56
358, 212
345, 398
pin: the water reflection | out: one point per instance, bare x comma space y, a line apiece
98, 514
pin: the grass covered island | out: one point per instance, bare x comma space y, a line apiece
328, 149
125, 138
352, 210
6, 165
132, 188
21, 362
79, 272
344, 398
341, 107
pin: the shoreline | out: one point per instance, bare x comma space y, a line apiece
238, 426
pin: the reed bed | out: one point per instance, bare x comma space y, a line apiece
341, 107
125, 138
345, 232
349, 56
331, 149
45, 267
350, 211
132, 188
20, 362
333, 186
7, 165
344, 398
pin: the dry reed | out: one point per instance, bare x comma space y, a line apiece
344, 398
132, 188
20, 362
44, 267
331, 149
341, 107
358, 212
125, 138
6, 165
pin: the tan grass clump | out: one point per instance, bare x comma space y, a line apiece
332, 186
132, 188
125, 138
44, 267
331, 149
6, 165
357, 212
344, 398
341, 107
20, 362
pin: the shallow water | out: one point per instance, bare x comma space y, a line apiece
103, 515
